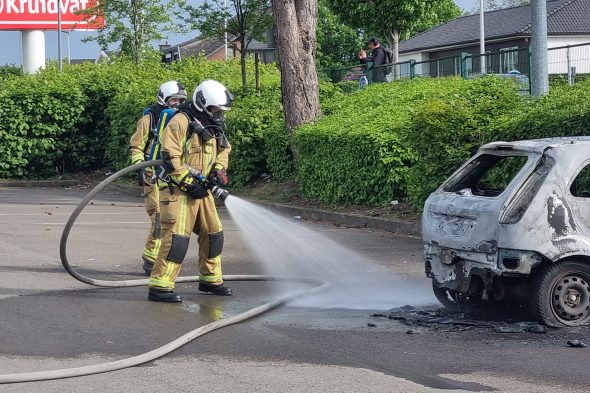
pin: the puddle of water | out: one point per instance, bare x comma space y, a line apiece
288, 247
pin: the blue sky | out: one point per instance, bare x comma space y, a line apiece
11, 41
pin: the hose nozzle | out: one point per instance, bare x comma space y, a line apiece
219, 192
215, 189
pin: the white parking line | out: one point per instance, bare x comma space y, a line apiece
60, 213
90, 223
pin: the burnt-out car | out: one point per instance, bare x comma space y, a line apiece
513, 224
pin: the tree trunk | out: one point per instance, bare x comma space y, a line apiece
243, 62
296, 22
393, 41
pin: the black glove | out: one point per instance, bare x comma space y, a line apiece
218, 175
194, 189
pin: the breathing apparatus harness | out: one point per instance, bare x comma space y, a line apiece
159, 119
164, 115
213, 130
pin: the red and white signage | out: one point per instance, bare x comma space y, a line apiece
42, 15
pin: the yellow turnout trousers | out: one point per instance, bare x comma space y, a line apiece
152, 207
180, 215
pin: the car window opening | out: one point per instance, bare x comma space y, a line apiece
488, 175
581, 186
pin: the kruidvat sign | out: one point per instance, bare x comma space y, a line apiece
42, 15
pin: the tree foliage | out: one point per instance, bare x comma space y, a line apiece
395, 19
434, 16
499, 4
242, 20
133, 24
338, 43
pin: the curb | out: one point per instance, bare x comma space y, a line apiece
348, 220
40, 183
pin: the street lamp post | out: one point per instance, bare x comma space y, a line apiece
59, 35
69, 49
225, 28
482, 38
539, 66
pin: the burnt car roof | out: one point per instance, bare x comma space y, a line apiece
537, 145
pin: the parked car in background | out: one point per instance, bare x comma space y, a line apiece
513, 224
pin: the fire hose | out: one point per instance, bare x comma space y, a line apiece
175, 344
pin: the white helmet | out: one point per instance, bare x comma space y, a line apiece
211, 96
170, 89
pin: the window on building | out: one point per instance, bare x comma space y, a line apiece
508, 59
469, 65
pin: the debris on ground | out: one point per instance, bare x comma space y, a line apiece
537, 329
441, 319
509, 329
576, 344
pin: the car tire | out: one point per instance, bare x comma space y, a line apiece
561, 294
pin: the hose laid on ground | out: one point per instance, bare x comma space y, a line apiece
165, 349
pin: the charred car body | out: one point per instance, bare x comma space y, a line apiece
513, 224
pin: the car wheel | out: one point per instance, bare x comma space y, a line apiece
561, 294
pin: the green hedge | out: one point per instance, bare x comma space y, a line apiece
8, 71
355, 154
388, 141
446, 130
37, 113
82, 118
565, 111
249, 123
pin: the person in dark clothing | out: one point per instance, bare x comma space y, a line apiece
375, 62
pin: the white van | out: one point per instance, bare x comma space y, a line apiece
513, 224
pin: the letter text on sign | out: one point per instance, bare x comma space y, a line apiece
42, 15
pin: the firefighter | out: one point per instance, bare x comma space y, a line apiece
143, 144
194, 138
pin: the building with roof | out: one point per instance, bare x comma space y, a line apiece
103, 56
507, 39
214, 49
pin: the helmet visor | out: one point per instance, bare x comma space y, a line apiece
214, 109
174, 101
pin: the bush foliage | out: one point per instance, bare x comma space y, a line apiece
445, 130
82, 118
388, 141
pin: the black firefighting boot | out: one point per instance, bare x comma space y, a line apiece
219, 290
163, 295
147, 267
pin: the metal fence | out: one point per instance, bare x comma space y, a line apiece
571, 60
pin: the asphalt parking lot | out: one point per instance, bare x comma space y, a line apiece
51, 321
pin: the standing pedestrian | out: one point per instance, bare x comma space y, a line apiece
376, 62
